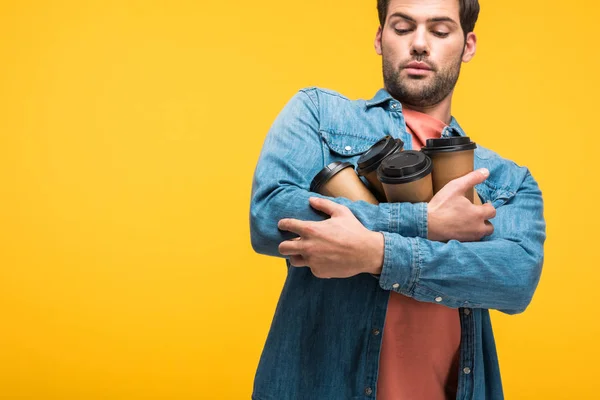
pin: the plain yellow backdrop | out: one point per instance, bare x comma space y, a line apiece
129, 132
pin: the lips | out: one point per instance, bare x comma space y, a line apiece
418, 66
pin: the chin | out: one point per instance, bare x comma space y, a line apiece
417, 77
415, 86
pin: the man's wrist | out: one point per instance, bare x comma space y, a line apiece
376, 249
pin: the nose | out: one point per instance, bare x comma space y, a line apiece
419, 45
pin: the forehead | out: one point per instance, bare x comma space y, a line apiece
424, 9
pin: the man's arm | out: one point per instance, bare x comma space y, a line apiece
501, 272
292, 155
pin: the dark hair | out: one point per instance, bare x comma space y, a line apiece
468, 9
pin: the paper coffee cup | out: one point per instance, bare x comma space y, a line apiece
452, 158
406, 177
370, 160
339, 179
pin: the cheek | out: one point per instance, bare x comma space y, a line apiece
390, 52
448, 57
393, 44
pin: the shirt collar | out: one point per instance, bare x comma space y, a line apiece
382, 96
455, 128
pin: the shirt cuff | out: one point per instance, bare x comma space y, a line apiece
406, 219
400, 269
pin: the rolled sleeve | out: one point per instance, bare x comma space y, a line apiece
400, 264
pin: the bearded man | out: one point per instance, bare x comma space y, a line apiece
391, 301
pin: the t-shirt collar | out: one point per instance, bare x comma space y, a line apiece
382, 96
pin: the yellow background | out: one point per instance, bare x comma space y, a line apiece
129, 132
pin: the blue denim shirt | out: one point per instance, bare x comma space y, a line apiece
325, 340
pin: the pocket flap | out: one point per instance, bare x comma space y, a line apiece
347, 144
490, 193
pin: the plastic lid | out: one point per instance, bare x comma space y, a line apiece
370, 160
327, 173
404, 167
456, 143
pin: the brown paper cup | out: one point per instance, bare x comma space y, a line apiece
452, 158
340, 180
376, 186
477, 200
450, 166
372, 158
420, 191
406, 177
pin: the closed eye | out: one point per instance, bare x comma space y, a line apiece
441, 34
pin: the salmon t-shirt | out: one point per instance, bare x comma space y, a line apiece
421, 341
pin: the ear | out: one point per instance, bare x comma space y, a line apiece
470, 47
378, 41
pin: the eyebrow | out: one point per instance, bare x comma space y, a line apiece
434, 19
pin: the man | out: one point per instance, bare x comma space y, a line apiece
391, 301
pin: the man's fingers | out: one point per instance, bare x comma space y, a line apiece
487, 211
293, 225
489, 228
298, 261
327, 206
291, 247
471, 179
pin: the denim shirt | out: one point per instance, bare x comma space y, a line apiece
325, 337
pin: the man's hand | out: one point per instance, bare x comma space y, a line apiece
338, 247
452, 216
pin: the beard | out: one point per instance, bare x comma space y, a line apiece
421, 91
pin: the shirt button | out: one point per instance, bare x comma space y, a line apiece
467, 370
368, 391
396, 285
348, 148
394, 105
376, 332
467, 311
438, 299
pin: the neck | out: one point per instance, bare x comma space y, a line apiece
440, 111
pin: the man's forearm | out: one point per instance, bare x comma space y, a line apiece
498, 274
269, 205
501, 272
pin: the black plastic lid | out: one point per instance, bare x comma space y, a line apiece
405, 167
370, 160
327, 173
456, 143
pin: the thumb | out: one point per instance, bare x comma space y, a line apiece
327, 206
471, 179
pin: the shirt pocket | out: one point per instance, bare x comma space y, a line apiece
493, 194
347, 144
